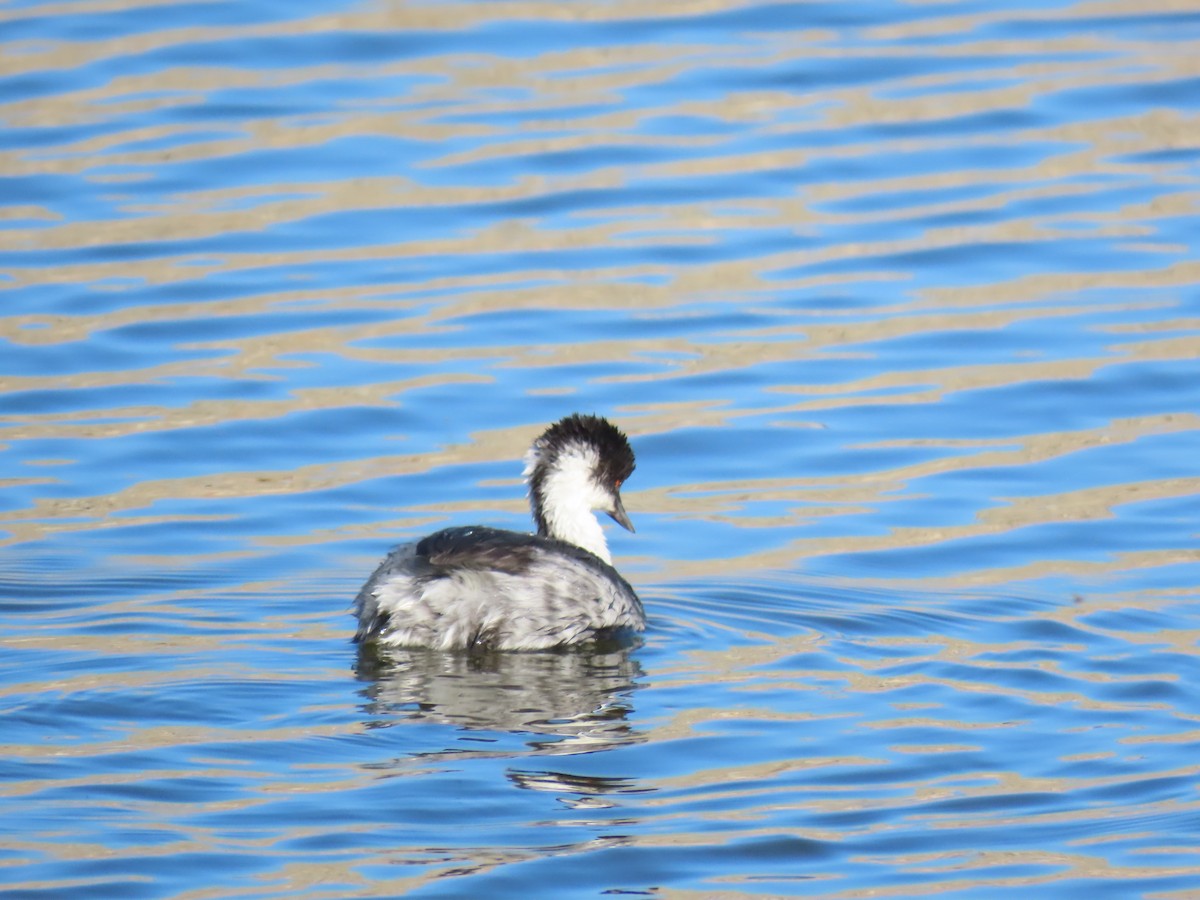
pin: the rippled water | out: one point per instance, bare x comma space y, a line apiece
898, 303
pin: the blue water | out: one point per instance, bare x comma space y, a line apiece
897, 302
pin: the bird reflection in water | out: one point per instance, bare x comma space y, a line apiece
573, 700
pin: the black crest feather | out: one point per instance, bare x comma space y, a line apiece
612, 447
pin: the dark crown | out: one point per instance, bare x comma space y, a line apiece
612, 447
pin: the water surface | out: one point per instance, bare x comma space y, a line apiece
897, 302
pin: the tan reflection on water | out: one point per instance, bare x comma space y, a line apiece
549, 88
846, 110
814, 496
564, 80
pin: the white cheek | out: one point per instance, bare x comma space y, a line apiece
600, 499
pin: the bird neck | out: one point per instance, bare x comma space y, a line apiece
574, 526
560, 497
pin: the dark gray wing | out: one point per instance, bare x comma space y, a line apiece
512, 552
479, 547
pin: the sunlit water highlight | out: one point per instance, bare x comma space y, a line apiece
898, 303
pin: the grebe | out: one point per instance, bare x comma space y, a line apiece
479, 587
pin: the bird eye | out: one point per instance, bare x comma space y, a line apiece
617, 484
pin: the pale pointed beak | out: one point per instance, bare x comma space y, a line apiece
619, 515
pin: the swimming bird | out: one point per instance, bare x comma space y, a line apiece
477, 587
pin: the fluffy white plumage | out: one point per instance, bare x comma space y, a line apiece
477, 587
